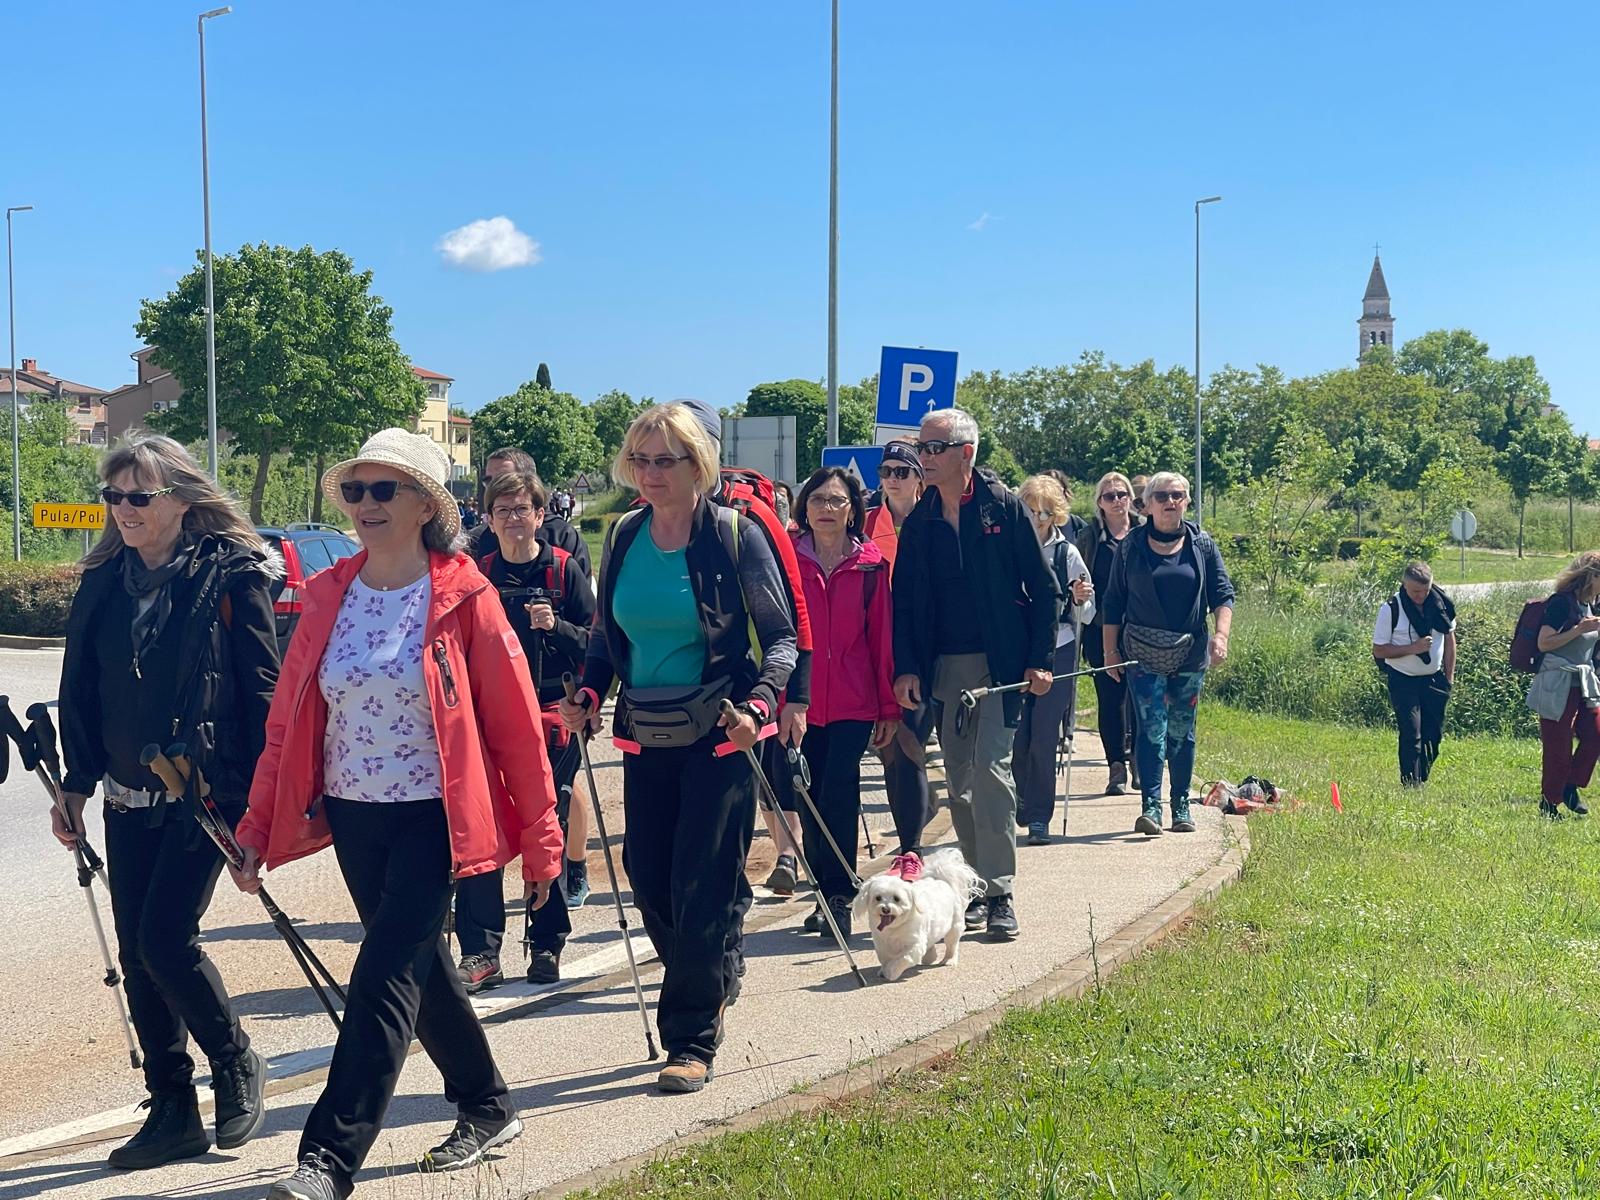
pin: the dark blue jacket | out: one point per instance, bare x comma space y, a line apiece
1131, 598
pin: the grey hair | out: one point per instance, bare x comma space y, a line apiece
1162, 481
159, 460
962, 426
1419, 572
435, 538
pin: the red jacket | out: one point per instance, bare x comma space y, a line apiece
499, 799
880, 531
852, 641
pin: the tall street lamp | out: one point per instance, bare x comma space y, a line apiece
16, 412
1199, 426
205, 192
833, 239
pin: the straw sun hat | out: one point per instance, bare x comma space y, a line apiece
413, 453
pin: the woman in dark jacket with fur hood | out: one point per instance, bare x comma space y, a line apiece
170, 638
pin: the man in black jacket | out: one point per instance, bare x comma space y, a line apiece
974, 606
481, 541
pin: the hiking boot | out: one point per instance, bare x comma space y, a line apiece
684, 1073
1182, 821
1149, 822
468, 1143
1570, 797
1038, 833
783, 878
840, 907
577, 883
478, 972
1552, 811
977, 915
313, 1179
1002, 919
813, 921
1117, 783
171, 1131
544, 966
240, 1089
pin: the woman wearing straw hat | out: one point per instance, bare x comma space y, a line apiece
401, 732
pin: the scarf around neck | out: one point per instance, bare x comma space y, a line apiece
151, 590
1436, 614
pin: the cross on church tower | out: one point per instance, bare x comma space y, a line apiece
1376, 324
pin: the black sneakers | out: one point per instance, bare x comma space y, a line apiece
784, 875
977, 915
840, 906
467, 1144
1002, 919
313, 1179
1117, 780
240, 1089
544, 966
171, 1131
1570, 797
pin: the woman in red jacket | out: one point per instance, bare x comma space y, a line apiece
402, 733
852, 677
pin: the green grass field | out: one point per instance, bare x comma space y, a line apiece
1396, 1002
1483, 566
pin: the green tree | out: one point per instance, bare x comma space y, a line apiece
612, 413
1532, 462
807, 401
555, 427
55, 470
306, 361
1285, 511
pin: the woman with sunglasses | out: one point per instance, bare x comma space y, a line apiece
1167, 576
405, 733
852, 680
690, 593
170, 638
1097, 545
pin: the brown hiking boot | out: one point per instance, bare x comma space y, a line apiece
1117, 784
683, 1073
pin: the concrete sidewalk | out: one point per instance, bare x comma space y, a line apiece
576, 1062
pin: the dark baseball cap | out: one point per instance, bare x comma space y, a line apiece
901, 454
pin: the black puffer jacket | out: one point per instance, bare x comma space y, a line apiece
207, 681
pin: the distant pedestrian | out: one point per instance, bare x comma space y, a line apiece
974, 606
1414, 641
783, 504
1097, 546
1565, 691
1167, 576
1140, 482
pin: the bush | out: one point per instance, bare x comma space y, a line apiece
35, 598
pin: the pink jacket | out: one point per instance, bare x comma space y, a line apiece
852, 647
499, 799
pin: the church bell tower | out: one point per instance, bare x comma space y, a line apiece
1376, 324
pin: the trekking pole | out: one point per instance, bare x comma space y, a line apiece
182, 778
771, 801
801, 771
970, 697
571, 687
872, 851
1066, 798
37, 746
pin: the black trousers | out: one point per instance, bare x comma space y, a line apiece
1419, 703
162, 872
1033, 753
905, 775
1111, 699
481, 901
833, 751
395, 859
689, 821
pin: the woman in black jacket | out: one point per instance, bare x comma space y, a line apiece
1098, 543
682, 583
1167, 575
170, 638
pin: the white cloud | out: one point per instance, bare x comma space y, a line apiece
495, 244
981, 223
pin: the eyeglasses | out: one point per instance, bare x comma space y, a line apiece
520, 513
1113, 497
895, 472
383, 490
1169, 497
936, 447
1041, 515
661, 462
112, 497
831, 503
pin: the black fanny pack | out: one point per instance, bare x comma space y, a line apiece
1159, 651
671, 717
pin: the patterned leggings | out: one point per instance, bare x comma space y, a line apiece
1166, 706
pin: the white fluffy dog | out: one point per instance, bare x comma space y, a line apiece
910, 917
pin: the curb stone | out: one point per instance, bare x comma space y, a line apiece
17, 641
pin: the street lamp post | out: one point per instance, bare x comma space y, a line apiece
16, 412
205, 192
1199, 425
833, 239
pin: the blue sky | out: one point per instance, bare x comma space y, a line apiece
670, 160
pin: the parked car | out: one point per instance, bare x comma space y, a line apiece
306, 548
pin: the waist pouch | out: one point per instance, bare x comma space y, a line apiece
556, 735
672, 717
1159, 651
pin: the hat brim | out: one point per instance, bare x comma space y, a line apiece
437, 492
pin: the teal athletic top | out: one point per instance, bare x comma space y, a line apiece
657, 612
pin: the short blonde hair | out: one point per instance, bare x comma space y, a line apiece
1112, 477
1163, 481
1044, 493
683, 433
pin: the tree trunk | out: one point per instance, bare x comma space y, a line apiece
316, 488
1569, 523
1358, 520
1522, 511
258, 490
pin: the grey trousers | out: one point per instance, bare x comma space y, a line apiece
977, 765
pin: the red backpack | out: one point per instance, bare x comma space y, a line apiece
554, 575
741, 483
1525, 653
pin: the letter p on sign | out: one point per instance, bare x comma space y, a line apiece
914, 377
912, 382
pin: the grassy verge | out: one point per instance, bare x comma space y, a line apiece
1396, 1002
1482, 566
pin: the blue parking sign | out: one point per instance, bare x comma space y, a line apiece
912, 383
860, 461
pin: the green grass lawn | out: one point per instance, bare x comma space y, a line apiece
1484, 566
1396, 1002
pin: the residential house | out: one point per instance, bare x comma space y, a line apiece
85, 404
156, 390
453, 434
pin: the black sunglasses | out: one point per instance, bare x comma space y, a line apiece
896, 472
112, 497
1113, 497
353, 490
936, 446
1169, 497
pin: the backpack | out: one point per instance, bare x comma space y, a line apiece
1525, 655
740, 484
1394, 623
555, 574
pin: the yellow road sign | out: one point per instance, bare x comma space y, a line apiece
69, 516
